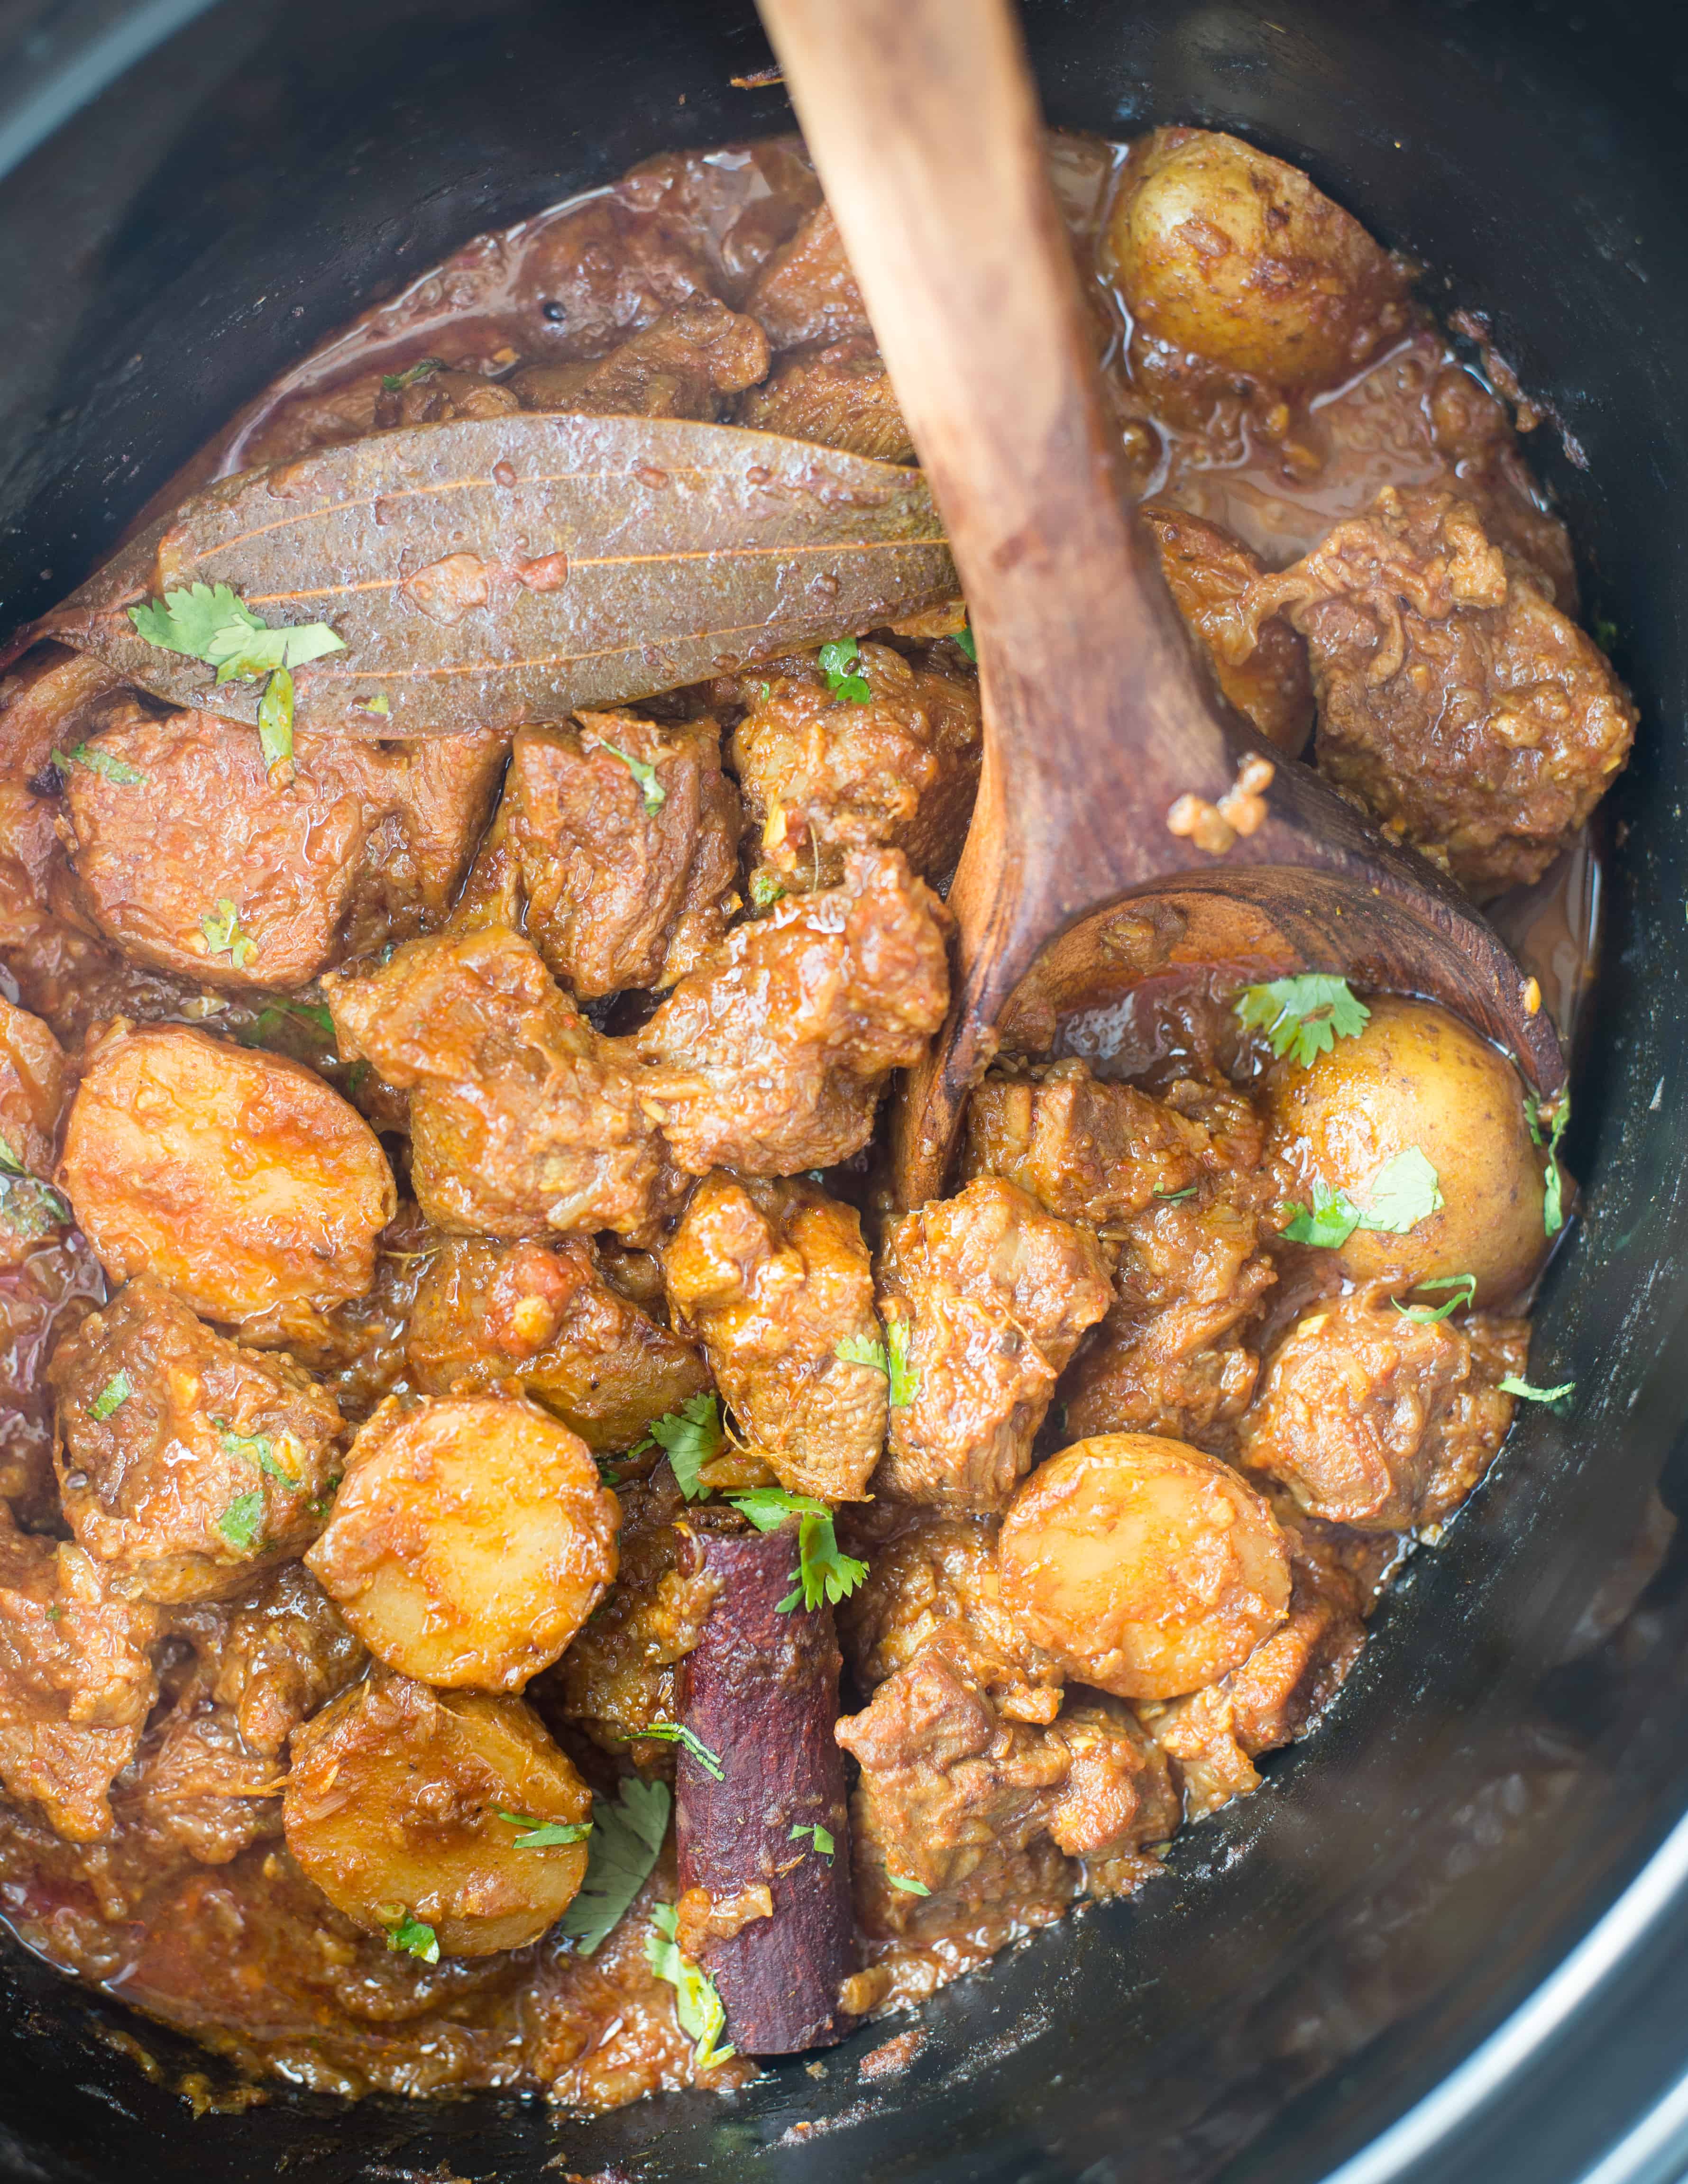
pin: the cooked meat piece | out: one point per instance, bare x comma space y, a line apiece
619, 894
1145, 1567
807, 292
207, 865
824, 775
771, 1058
396, 1805
469, 1541
76, 1680
52, 701
1213, 1737
950, 1781
838, 394
272, 1656
1225, 254
1092, 1150
987, 1295
1470, 716
1374, 1419
431, 393
31, 1092
926, 1572
1472, 431
1260, 666
776, 1279
185, 1462
542, 1317
195, 1786
687, 363
603, 271
618, 1675
440, 397
326, 417
522, 1117
238, 1179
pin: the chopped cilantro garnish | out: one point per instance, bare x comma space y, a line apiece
1305, 1015
212, 623
823, 1571
395, 382
1405, 1191
1512, 1385
112, 1397
909, 1887
414, 1937
1553, 1184
1605, 632
242, 1522
673, 1732
546, 1834
697, 2004
382, 704
259, 1449
840, 663
625, 1838
694, 1436
890, 1357
276, 720
28, 1206
964, 637
1464, 1287
822, 1837
655, 795
90, 756
275, 1016
9, 1162
765, 888
221, 929
1173, 1197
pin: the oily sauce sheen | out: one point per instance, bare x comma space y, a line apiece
435, 1118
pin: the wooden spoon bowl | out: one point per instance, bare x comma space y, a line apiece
1127, 822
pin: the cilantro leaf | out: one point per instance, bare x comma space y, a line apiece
259, 1449
414, 1937
822, 1837
28, 1206
222, 930
890, 1357
694, 1436
425, 367
964, 637
9, 1162
112, 1397
909, 1887
840, 663
1307, 1014
546, 1834
276, 720
1512, 1385
1464, 1287
382, 704
765, 888
697, 2003
275, 1016
212, 623
863, 1349
242, 1522
625, 1838
767, 1507
1173, 1197
1553, 1185
671, 1732
1405, 1191
117, 771
823, 1571
655, 795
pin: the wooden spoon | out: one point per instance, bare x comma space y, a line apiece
1103, 738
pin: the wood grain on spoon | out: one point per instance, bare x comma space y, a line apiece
1111, 769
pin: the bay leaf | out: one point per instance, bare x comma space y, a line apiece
499, 570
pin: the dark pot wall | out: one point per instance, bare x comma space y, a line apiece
1513, 1748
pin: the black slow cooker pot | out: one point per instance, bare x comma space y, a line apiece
1446, 1940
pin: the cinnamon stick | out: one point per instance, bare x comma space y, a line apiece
761, 1692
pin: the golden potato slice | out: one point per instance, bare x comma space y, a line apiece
236, 1178
470, 1540
1147, 1567
408, 1808
1222, 251
1416, 1079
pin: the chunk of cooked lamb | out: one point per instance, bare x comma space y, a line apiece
988, 1293
32, 1091
824, 775
1372, 1418
543, 1318
185, 1462
629, 877
272, 1655
522, 1117
836, 394
1470, 716
771, 1058
776, 1278
806, 292
688, 363
76, 1680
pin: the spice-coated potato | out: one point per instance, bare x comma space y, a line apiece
1147, 1567
1225, 253
396, 1807
1416, 1076
470, 1540
236, 1178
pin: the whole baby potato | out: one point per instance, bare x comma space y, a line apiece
1416, 1078
1147, 1568
1222, 251
405, 1805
